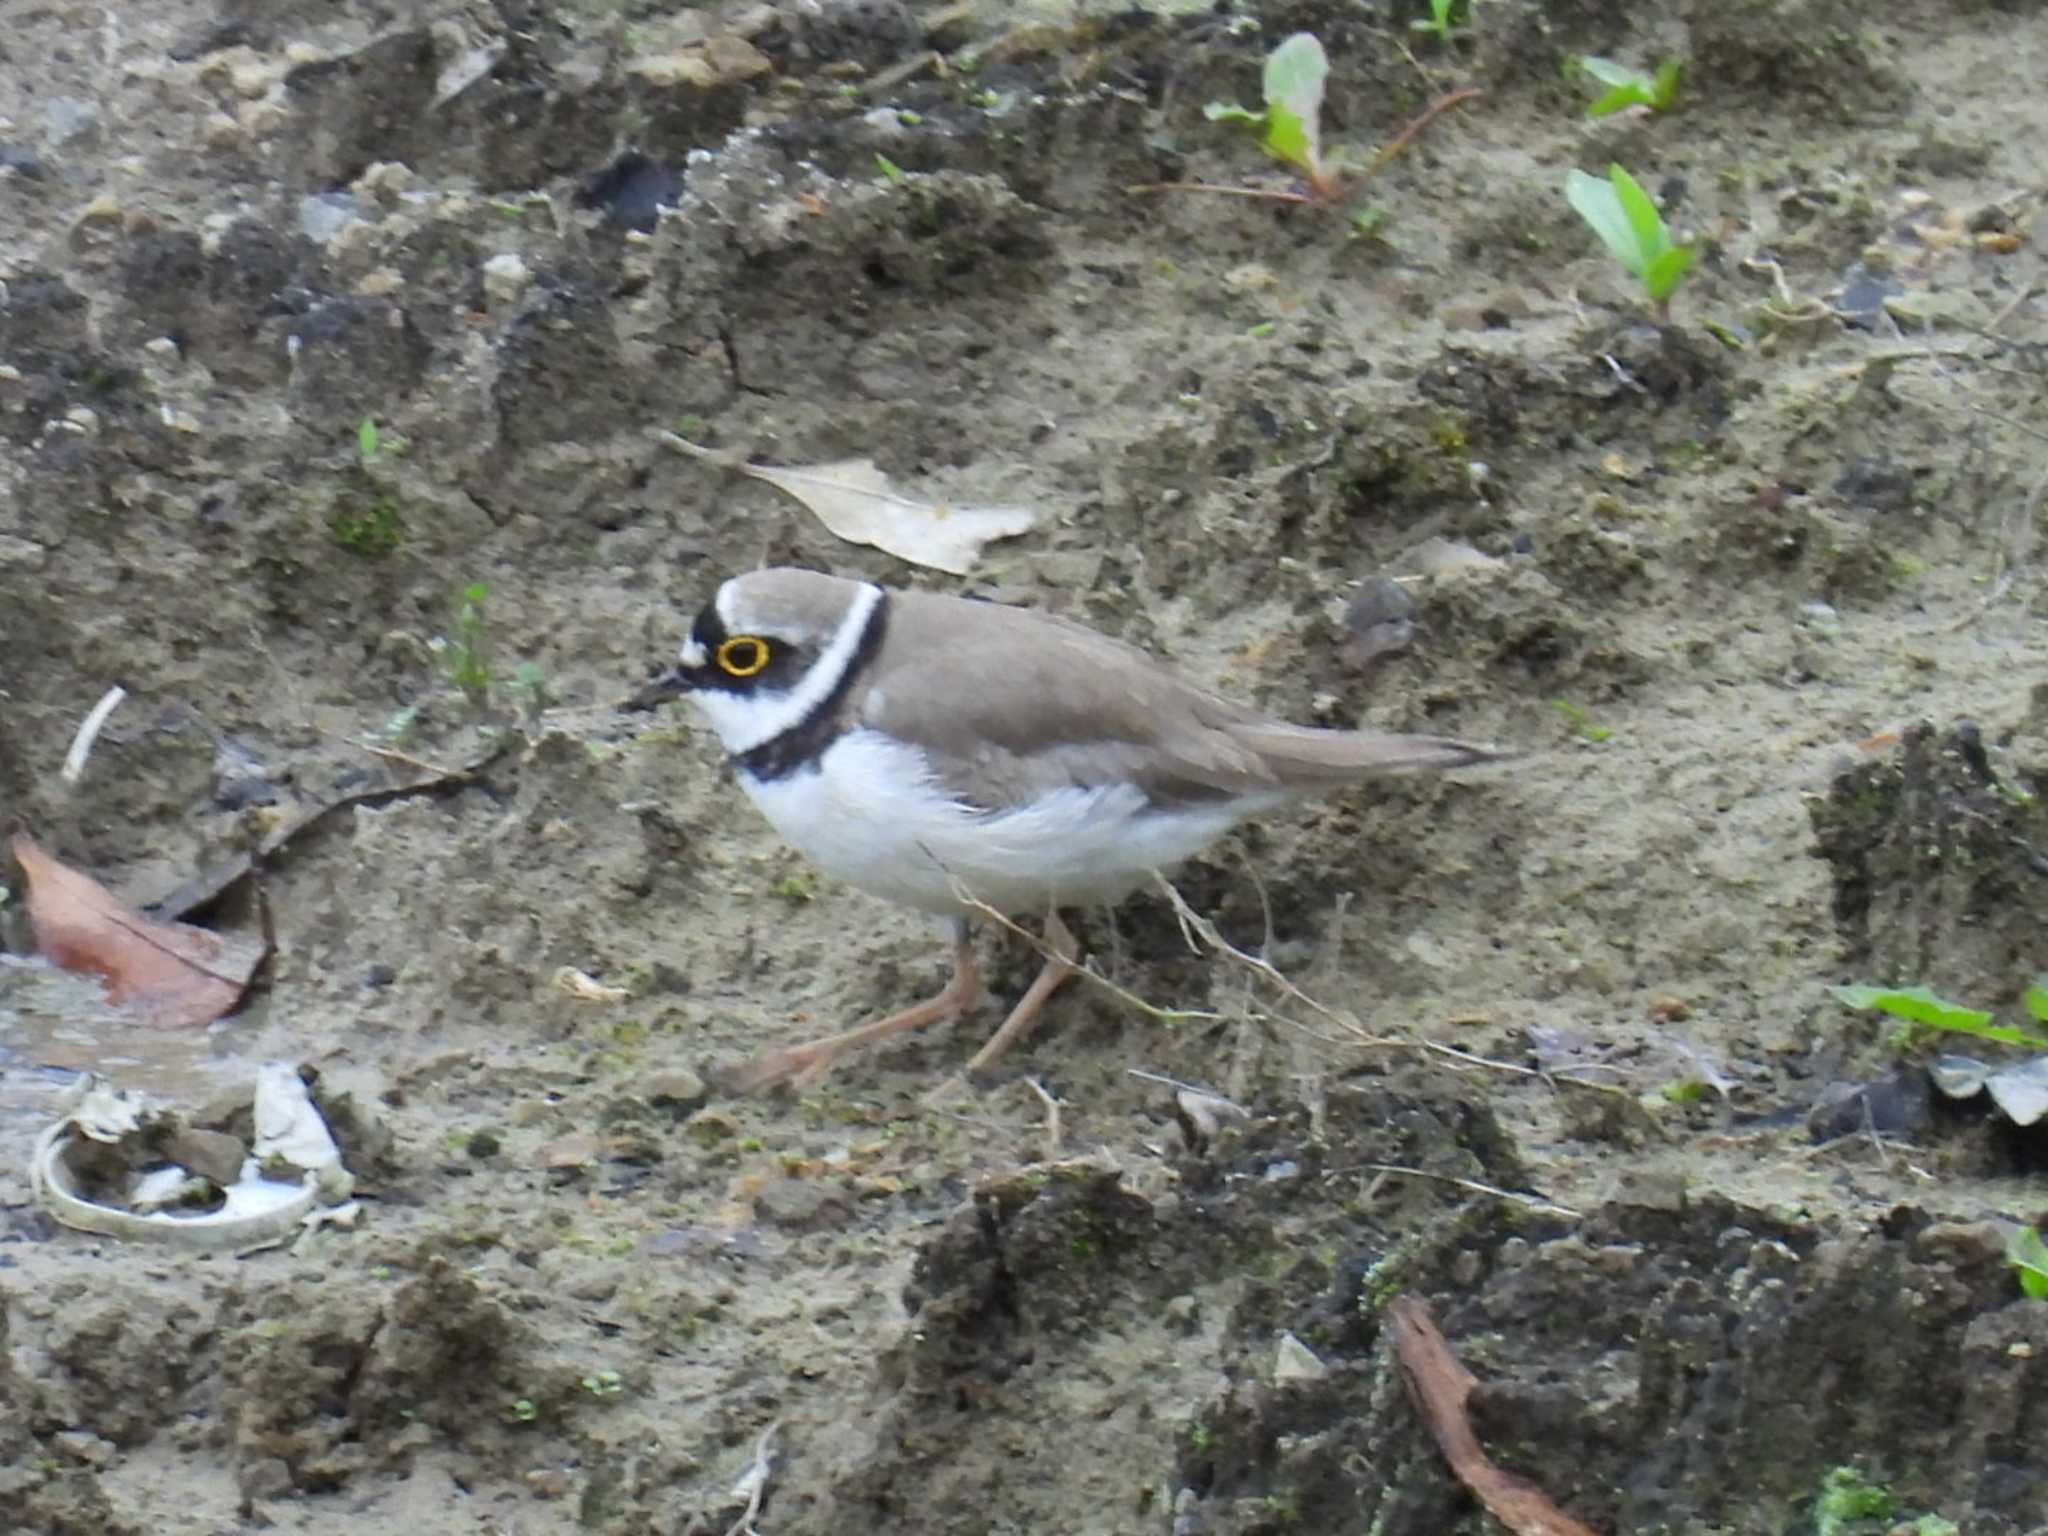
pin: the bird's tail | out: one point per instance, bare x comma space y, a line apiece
1304, 758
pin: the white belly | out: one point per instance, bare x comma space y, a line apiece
870, 815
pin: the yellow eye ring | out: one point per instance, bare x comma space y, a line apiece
742, 655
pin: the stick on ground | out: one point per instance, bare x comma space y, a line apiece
1438, 1385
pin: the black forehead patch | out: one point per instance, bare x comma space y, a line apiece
709, 629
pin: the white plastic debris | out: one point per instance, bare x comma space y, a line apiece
99, 1169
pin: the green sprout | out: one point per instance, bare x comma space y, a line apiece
1290, 128
1918, 1006
604, 1383
1847, 1496
374, 526
521, 1410
369, 528
796, 888
889, 168
1631, 87
1580, 721
2028, 1256
1438, 22
469, 653
1632, 229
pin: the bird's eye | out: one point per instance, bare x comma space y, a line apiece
742, 655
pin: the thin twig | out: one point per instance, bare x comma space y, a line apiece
89, 732
1439, 1387
1052, 1117
392, 754
1406, 136
1336, 190
1266, 194
754, 1481
1194, 925
1082, 969
2019, 544
1534, 1203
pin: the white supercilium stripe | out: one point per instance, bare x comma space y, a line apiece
745, 722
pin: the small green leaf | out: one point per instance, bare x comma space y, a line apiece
2036, 999
1608, 72
1620, 99
1262, 330
366, 439
1914, 1003
1598, 206
1917, 1005
1645, 223
2028, 1256
1666, 269
1288, 140
1231, 112
1664, 89
1295, 73
888, 168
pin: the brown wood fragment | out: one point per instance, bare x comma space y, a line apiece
1438, 1385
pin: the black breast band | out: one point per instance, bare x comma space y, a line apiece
800, 745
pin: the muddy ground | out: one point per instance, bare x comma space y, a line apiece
1711, 577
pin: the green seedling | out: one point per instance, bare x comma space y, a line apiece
604, 1384
1580, 721
374, 444
521, 1410
1438, 22
469, 653
1918, 1006
1847, 1496
1631, 87
797, 889
369, 528
2028, 1256
373, 526
1290, 128
1632, 229
889, 168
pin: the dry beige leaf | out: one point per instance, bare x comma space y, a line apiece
856, 502
167, 973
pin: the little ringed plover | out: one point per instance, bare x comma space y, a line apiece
919, 746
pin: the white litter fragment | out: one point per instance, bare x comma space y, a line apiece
258, 1209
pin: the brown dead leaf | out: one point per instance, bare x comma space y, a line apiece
170, 974
1438, 1385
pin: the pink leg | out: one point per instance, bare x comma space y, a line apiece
1062, 964
809, 1061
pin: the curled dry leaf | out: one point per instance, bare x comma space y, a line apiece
171, 974
856, 502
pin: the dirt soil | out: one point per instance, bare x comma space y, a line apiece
1754, 591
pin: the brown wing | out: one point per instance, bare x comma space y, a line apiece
1012, 704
